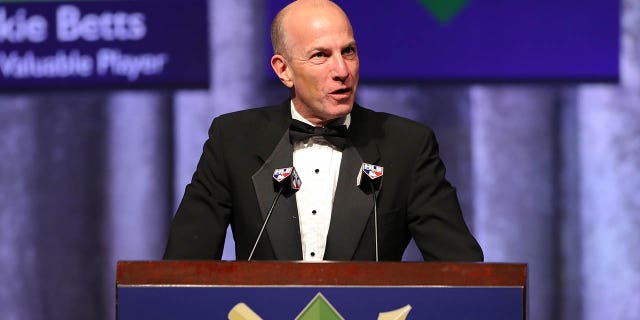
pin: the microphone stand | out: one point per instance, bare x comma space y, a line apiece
273, 204
375, 216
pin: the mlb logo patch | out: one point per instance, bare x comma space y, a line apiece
280, 174
372, 171
296, 182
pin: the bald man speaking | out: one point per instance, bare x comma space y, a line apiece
367, 182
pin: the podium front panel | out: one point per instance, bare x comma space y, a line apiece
276, 290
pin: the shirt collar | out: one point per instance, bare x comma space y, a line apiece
346, 120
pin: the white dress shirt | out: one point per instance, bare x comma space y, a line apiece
318, 164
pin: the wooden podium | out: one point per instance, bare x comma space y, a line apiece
329, 290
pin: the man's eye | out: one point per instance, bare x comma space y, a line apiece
349, 51
318, 55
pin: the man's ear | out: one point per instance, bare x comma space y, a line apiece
280, 67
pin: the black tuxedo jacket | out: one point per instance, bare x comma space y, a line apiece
233, 184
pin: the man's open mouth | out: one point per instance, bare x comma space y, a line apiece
341, 91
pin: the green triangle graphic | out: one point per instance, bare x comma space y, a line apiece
319, 309
444, 10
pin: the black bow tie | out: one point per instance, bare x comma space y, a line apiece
300, 131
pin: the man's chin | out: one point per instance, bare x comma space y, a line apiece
340, 110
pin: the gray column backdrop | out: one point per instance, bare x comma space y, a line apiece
547, 174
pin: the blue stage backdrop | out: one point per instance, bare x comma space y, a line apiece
484, 40
125, 43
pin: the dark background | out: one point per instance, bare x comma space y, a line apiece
548, 173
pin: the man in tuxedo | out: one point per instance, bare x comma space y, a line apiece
327, 137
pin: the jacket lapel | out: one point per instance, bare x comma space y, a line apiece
351, 206
282, 230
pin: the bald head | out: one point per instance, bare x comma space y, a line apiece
299, 9
316, 57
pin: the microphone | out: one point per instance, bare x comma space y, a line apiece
285, 180
370, 181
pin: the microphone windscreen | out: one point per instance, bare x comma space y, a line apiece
370, 176
288, 176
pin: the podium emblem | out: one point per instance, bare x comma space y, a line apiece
319, 308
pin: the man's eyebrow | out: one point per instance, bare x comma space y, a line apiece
321, 48
351, 43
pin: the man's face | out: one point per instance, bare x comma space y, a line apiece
322, 64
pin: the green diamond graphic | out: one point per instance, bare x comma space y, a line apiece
444, 10
319, 309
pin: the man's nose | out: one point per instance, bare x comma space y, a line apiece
340, 69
